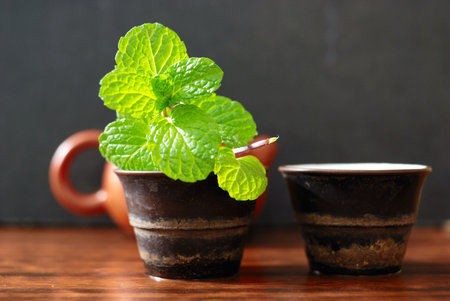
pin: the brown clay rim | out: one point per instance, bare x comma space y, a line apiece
355, 168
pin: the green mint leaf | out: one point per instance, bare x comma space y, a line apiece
124, 143
144, 118
185, 144
236, 124
243, 178
152, 47
128, 92
163, 88
193, 78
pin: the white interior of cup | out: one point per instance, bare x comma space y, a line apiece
354, 167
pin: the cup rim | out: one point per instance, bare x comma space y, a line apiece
355, 168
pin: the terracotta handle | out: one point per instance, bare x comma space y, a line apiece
59, 177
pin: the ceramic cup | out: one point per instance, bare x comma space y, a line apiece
186, 230
109, 198
355, 218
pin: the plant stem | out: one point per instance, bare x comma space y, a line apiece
257, 144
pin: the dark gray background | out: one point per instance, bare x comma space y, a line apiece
338, 81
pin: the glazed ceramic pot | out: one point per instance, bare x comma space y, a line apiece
355, 218
185, 230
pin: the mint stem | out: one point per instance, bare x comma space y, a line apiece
254, 145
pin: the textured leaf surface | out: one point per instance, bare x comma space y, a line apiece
163, 88
236, 124
186, 143
152, 47
162, 85
128, 92
193, 78
124, 143
244, 178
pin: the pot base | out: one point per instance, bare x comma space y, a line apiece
355, 250
191, 254
195, 270
325, 269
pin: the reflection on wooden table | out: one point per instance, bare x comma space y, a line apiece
63, 263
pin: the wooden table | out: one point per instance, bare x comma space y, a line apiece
92, 264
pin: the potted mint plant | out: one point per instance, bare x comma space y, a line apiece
190, 200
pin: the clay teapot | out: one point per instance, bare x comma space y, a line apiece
110, 198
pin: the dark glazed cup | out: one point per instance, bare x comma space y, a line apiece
186, 230
355, 218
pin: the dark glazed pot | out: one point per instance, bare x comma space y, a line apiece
355, 218
185, 230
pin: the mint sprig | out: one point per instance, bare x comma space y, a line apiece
170, 120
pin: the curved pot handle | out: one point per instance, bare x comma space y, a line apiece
59, 177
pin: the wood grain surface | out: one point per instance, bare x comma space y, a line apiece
93, 264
